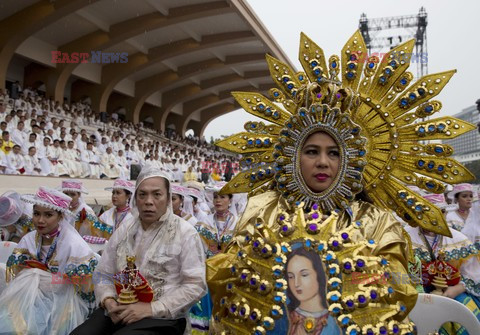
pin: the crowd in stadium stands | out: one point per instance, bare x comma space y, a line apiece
42, 137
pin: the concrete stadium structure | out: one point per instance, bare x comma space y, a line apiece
184, 56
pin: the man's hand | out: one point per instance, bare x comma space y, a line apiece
111, 305
133, 312
454, 291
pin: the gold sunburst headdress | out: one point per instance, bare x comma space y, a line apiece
376, 116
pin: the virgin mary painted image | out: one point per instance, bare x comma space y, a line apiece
307, 304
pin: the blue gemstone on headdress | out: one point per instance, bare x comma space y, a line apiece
275, 114
313, 64
243, 276
319, 79
350, 303
277, 272
370, 332
308, 243
332, 271
335, 284
258, 141
373, 294
403, 308
256, 244
345, 320
371, 241
302, 113
438, 150
285, 79
320, 247
431, 128
334, 297
371, 65
252, 177
289, 125
258, 332
428, 109
402, 195
350, 75
390, 290
441, 127
276, 94
407, 217
329, 257
410, 202
233, 269
361, 153
278, 285
431, 165
383, 331
266, 142
384, 261
395, 329
403, 81
284, 249
360, 263
335, 244
317, 72
242, 311
404, 102
362, 299
421, 163
430, 184
277, 298
300, 77
290, 86
418, 208
440, 168
336, 310
347, 266
355, 130
344, 236
388, 71
253, 126
253, 281
412, 96
421, 91
334, 64
353, 332
351, 66
250, 142
267, 324
382, 80
233, 308
393, 63
261, 107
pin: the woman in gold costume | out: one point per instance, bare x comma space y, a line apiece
323, 177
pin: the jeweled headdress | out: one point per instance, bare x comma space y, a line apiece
378, 118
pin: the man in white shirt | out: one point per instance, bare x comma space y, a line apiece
123, 165
32, 165
90, 159
165, 250
16, 163
110, 165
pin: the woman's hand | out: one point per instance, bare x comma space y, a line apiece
454, 291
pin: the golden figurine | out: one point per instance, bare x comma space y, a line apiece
131, 285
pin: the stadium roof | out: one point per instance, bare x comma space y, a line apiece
183, 57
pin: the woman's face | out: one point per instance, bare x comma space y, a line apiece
319, 161
221, 202
176, 202
45, 220
465, 200
74, 195
302, 278
119, 198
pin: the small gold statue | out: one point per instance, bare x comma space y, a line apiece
131, 286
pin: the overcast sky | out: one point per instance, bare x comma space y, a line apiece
453, 41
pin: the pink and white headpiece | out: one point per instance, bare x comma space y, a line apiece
10, 208
436, 199
50, 198
460, 188
123, 185
72, 185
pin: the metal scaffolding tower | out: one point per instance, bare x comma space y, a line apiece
415, 26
